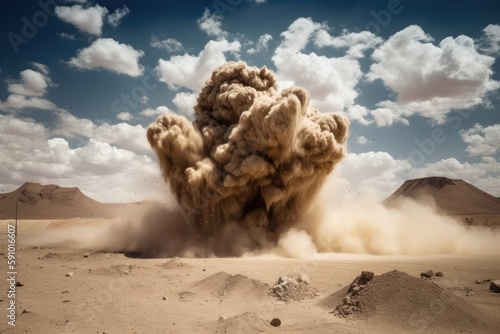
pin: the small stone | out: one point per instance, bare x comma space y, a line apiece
439, 274
276, 322
26, 311
469, 293
346, 300
165, 298
19, 284
66, 301
204, 269
427, 274
222, 318
356, 290
70, 274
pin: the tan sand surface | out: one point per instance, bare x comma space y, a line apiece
114, 293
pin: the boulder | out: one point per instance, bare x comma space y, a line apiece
427, 274
495, 286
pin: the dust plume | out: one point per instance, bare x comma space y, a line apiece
254, 157
363, 225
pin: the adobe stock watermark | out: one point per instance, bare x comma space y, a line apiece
31, 25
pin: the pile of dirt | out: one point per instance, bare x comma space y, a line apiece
223, 284
293, 288
174, 263
248, 322
406, 301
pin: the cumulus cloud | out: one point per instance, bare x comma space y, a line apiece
262, 44
29, 90
211, 24
191, 71
357, 43
88, 20
362, 140
169, 44
111, 55
430, 80
331, 81
482, 140
115, 18
185, 102
490, 42
125, 116
150, 112
30, 152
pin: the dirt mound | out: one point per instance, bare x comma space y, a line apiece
174, 263
293, 288
408, 302
114, 270
248, 322
224, 284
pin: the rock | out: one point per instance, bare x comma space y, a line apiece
25, 311
276, 322
439, 274
284, 280
367, 275
495, 286
427, 274
165, 298
301, 277
222, 318
277, 288
19, 284
70, 274
469, 293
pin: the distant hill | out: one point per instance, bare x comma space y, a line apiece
452, 197
39, 201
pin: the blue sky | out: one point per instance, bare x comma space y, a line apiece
80, 81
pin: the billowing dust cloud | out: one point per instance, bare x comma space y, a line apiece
253, 156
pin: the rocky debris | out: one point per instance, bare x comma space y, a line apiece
482, 281
276, 322
19, 284
439, 274
294, 287
469, 293
165, 298
495, 286
427, 274
350, 303
70, 274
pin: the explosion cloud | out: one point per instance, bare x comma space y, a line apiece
253, 156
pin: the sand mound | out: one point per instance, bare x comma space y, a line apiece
408, 302
174, 263
114, 270
293, 288
224, 284
248, 322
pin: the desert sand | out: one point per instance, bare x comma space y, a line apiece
70, 290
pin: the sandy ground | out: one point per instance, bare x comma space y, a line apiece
67, 290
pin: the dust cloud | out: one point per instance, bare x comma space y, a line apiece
253, 156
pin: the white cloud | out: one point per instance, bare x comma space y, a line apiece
185, 102
101, 170
359, 113
64, 35
28, 92
490, 42
32, 83
88, 20
109, 54
482, 140
192, 71
125, 136
169, 44
211, 24
150, 112
125, 116
331, 82
431, 80
262, 44
362, 140
356, 42
68, 125
117, 16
